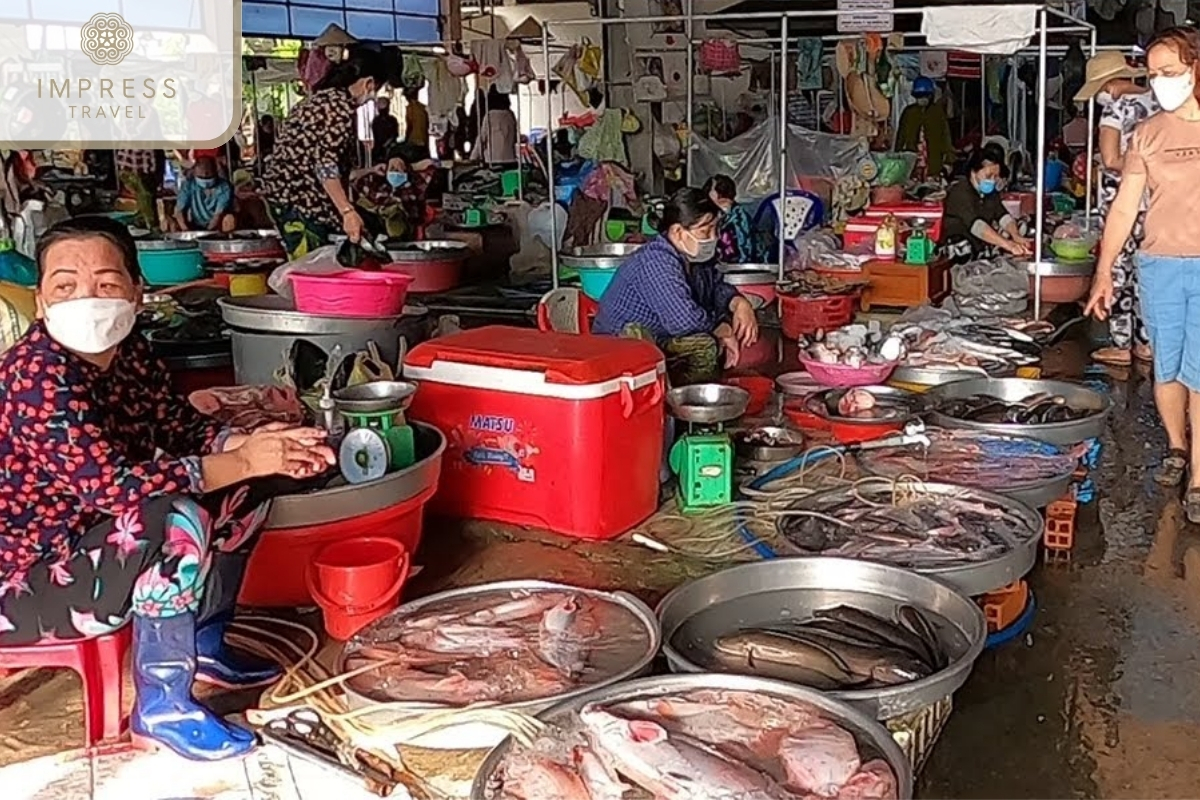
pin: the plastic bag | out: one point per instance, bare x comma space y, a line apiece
894, 168
995, 288
362, 255
322, 261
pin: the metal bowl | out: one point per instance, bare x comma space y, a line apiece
273, 313
972, 578
930, 376
157, 245
824, 404
429, 250
764, 592
474, 735
873, 739
1014, 389
1035, 494
708, 403
598, 256
750, 274
1050, 267
374, 397
791, 444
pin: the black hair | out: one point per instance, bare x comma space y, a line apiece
988, 154
364, 61
497, 100
686, 207
723, 185
90, 227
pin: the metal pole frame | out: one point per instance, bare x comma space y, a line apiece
691, 87
1091, 151
1044, 13
550, 158
781, 213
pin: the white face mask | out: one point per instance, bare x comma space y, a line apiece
91, 325
1174, 90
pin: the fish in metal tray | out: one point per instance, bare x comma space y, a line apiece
1036, 409
839, 648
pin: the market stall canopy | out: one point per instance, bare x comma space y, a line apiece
529, 29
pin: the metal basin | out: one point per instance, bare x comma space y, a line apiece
1014, 389
375, 396
169, 245
276, 314
750, 274
971, 578
790, 444
708, 403
599, 256
475, 735
341, 500
431, 250
907, 404
763, 593
873, 739
1050, 267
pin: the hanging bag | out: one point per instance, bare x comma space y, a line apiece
720, 57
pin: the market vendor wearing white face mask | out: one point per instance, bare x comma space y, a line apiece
120, 500
670, 291
1163, 163
315, 151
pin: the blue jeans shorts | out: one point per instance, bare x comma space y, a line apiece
1170, 296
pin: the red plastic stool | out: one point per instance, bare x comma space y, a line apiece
100, 662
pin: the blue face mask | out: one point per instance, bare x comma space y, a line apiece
206, 183
397, 179
987, 186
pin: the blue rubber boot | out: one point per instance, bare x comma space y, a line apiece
164, 665
220, 665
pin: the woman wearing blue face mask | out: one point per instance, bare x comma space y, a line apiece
205, 201
976, 223
670, 291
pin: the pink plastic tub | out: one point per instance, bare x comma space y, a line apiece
351, 293
840, 376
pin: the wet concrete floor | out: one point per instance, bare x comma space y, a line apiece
1100, 699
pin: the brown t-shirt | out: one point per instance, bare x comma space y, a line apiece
1166, 149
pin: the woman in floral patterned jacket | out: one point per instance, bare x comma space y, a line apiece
119, 499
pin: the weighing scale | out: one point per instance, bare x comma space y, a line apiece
919, 248
378, 438
703, 456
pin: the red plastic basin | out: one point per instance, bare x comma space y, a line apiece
277, 573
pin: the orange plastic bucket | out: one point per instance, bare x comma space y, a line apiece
357, 581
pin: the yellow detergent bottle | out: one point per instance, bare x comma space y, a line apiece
885, 238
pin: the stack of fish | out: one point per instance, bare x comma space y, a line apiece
503, 647
1037, 409
840, 648
733, 745
853, 346
921, 532
952, 344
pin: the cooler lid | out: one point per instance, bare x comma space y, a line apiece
563, 358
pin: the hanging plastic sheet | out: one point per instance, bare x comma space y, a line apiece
814, 160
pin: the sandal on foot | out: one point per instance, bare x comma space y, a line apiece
1172, 469
1191, 504
1113, 356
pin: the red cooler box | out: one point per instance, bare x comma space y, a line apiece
544, 429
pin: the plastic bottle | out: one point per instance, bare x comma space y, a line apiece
885, 238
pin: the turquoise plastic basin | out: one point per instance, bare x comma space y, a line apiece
171, 267
595, 280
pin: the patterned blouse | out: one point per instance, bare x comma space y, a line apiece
315, 143
79, 444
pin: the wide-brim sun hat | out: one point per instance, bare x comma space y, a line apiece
1102, 68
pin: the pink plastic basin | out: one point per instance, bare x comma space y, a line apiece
351, 293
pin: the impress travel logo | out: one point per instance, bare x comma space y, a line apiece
120, 73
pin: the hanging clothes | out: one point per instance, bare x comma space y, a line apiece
808, 64
963, 65
495, 68
998, 30
934, 63
605, 141
445, 92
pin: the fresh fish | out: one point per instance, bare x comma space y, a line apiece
894, 634
916, 622
883, 666
532, 777
820, 759
600, 780
467, 640
774, 655
875, 781
562, 641
515, 609
673, 767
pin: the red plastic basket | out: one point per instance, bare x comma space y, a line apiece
801, 316
351, 293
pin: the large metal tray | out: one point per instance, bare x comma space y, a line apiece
276, 314
1013, 389
1035, 495
598, 256
344, 500
750, 274
868, 733
427, 251
798, 586
1052, 267
475, 735
972, 579
927, 376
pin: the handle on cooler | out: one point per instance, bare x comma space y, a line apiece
653, 397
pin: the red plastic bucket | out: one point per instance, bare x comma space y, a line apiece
357, 581
760, 390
